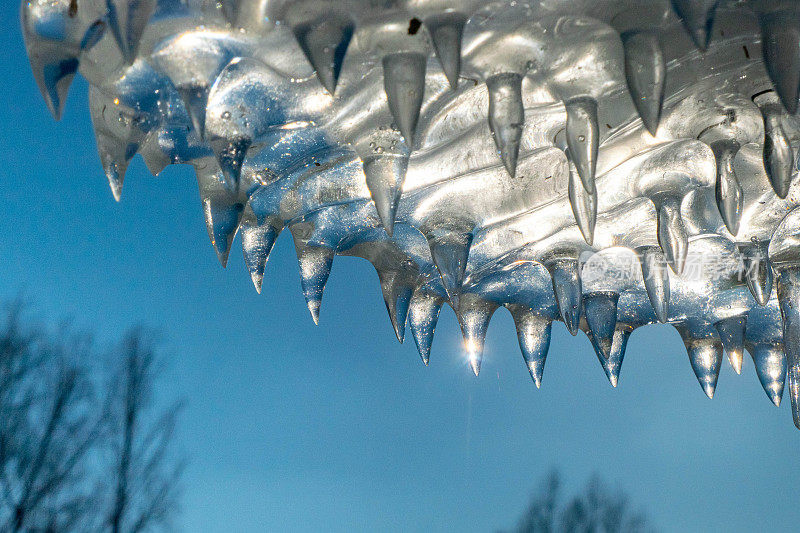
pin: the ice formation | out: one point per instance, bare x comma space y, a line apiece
605, 163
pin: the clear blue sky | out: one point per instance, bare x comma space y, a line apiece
292, 427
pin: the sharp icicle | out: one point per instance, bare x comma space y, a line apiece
506, 116
404, 83
422, 317
567, 289
533, 333
474, 316
127, 20
757, 270
645, 72
672, 235
789, 299
780, 38
698, 18
450, 251
446, 30
705, 356
257, 243
315, 267
770, 363
600, 309
778, 156
731, 332
325, 42
612, 362
729, 194
656, 280
385, 175
584, 205
583, 137
222, 212
397, 296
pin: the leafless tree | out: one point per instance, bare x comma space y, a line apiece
63, 430
596, 509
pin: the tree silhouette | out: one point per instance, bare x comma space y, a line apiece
595, 510
78, 452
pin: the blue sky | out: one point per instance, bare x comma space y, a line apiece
292, 427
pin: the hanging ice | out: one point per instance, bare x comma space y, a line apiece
605, 164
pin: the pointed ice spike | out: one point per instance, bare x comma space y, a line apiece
118, 137
731, 331
705, 355
127, 20
54, 77
315, 267
195, 98
672, 235
757, 270
600, 309
656, 280
257, 243
385, 175
446, 30
422, 317
506, 116
729, 193
230, 156
698, 18
404, 83
789, 299
567, 290
325, 42
584, 205
778, 156
222, 212
646, 72
397, 296
533, 332
780, 38
474, 317
770, 363
450, 251
583, 137
612, 361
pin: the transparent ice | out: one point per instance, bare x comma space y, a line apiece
605, 163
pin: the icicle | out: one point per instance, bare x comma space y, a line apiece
789, 299
757, 270
612, 361
474, 315
385, 166
396, 295
567, 290
698, 18
446, 30
731, 332
645, 72
257, 242
127, 20
778, 156
584, 205
770, 363
583, 137
230, 156
404, 83
222, 212
450, 251
533, 333
672, 234
118, 136
656, 280
422, 317
600, 309
54, 40
315, 267
729, 193
506, 116
780, 43
705, 355
325, 42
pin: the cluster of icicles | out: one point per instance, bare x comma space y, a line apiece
636, 165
